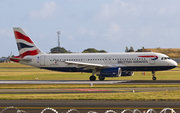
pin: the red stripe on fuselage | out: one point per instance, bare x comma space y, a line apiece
19, 35
148, 56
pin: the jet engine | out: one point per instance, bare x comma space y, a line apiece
109, 72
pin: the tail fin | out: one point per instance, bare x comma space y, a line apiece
25, 45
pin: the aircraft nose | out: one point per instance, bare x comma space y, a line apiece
174, 63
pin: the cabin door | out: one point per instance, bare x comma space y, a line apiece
42, 60
152, 59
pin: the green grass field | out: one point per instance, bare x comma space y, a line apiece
29, 73
164, 95
14, 71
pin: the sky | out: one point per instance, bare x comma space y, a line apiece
111, 25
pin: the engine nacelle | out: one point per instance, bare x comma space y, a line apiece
127, 73
110, 72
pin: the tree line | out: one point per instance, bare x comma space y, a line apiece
63, 50
93, 50
171, 52
131, 49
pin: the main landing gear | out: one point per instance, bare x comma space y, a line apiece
101, 78
154, 78
93, 77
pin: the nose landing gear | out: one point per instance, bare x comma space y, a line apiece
154, 78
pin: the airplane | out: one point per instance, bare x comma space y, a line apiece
99, 64
5, 59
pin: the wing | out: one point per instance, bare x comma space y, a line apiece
87, 65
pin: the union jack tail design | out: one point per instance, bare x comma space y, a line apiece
25, 45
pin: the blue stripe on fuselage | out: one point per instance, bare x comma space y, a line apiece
133, 68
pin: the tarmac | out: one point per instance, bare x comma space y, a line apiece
89, 82
84, 106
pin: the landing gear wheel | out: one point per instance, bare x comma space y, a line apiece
154, 78
92, 78
101, 78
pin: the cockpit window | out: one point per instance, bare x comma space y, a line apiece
165, 58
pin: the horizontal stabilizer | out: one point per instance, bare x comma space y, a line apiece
21, 59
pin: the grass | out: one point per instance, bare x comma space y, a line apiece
13, 65
22, 72
33, 73
164, 95
70, 86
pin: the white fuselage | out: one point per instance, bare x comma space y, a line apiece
139, 61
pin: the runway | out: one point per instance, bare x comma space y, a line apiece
58, 82
83, 106
89, 82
